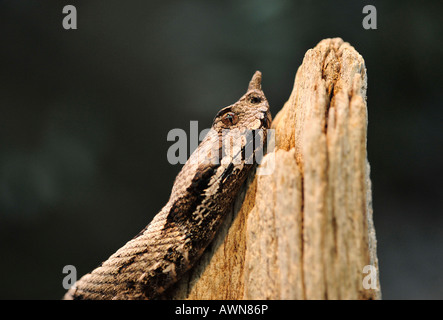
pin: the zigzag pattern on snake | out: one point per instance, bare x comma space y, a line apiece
202, 194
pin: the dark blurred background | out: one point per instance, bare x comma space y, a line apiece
85, 114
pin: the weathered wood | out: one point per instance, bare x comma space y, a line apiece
306, 230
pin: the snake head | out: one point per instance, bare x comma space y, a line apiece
241, 128
250, 112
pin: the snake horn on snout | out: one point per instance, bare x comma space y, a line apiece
255, 82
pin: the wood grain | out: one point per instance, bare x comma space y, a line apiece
306, 231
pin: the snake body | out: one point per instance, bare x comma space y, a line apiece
202, 194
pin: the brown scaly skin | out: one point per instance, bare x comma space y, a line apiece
202, 194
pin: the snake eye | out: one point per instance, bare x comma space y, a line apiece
254, 99
229, 119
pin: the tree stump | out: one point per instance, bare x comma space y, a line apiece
306, 230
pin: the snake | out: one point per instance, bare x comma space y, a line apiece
202, 194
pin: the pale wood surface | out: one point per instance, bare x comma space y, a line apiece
306, 230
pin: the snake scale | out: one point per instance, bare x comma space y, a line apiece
202, 194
